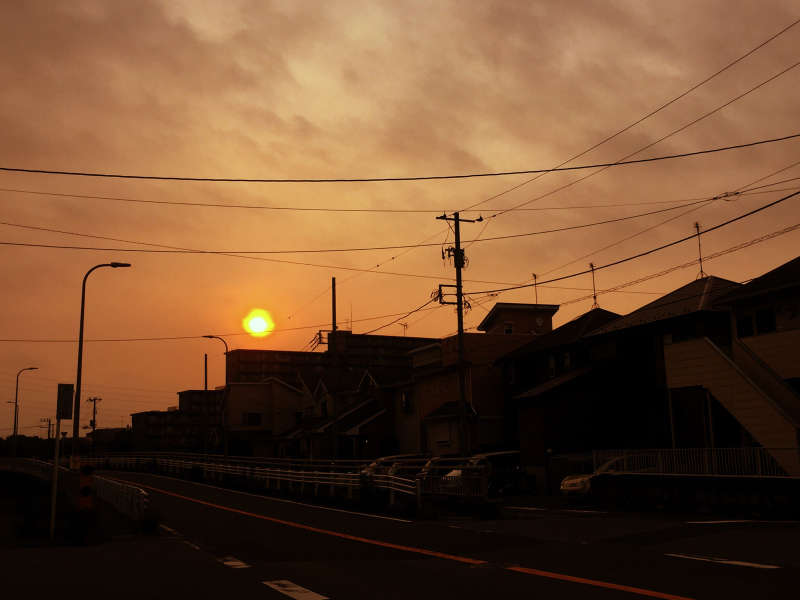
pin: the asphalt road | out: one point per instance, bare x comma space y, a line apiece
216, 543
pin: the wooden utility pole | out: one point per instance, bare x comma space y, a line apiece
205, 402
333, 392
457, 254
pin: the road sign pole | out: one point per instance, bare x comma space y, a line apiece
55, 482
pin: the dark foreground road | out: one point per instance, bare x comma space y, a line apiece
218, 544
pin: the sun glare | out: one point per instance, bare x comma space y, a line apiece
258, 323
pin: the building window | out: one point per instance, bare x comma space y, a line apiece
552, 366
567, 366
508, 328
744, 326
407, 401
765, 320
251, 419
437, 386
510, 374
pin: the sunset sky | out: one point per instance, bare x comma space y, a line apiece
343, 90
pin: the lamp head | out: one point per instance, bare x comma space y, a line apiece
32, 369
114, 265
209, 336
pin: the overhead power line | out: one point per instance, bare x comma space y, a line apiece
437, 211
647, 116
163, 249
641, 254
385, 179
689, 264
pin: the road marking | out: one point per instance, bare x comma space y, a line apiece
192, 545
738, 521
601, 512
433, 553
233, 563
724, 561
294, 590
165, 528
214, 487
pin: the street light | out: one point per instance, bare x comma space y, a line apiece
16, 411
227, 412
77, 407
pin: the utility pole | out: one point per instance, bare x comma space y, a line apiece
205, 404
594, 289
457, 254
332, 347
48, 426
93, 422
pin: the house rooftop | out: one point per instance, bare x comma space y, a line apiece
569, 333
504, 307
696, 296
783, 278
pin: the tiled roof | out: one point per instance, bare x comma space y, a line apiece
569, 333
699, 295
784, 277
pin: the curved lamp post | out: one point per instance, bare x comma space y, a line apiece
76, 412
16, 411
227, 412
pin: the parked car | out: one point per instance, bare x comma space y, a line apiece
505, 476
387, 465
580, 484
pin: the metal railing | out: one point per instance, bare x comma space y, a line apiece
708, 462
126, 499
300, 474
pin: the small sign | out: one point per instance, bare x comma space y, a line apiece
66, 395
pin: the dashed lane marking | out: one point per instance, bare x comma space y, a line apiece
432, 553
293, 590
192, 545
233, 563
165, 528
737, 521
724, 561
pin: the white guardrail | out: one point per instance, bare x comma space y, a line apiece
296, 473
709, 462
126, 499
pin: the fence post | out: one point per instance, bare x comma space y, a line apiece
419, 493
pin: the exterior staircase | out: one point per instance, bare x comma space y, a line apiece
747, 387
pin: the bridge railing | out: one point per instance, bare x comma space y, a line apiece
708, 462
407, 476
126, 499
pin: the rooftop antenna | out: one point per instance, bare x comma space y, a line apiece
404, 326
535, 289
594, 290
702, 274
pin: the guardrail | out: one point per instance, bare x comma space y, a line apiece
297, 473
126, 499
708, 462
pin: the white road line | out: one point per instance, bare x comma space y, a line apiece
525, 508
724, 561
233, 563
165, 528
192, 545
349, 512
599, 512
738, 521
293, 590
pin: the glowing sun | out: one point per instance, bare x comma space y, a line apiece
258, 323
